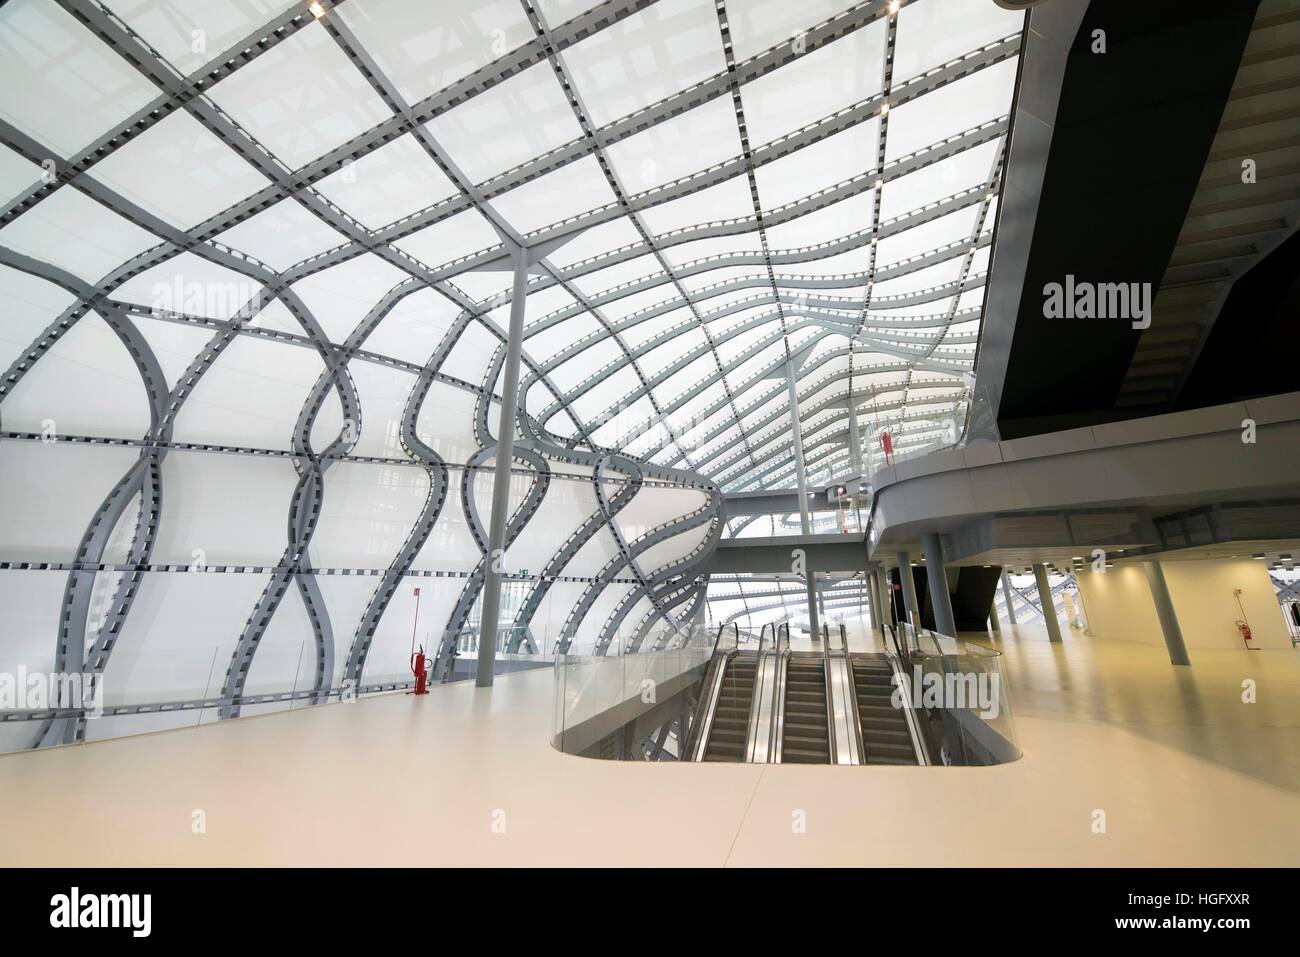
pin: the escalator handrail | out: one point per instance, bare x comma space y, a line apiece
830, 694
910, 709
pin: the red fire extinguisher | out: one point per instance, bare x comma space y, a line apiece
1243, 626
418, 658
420, 665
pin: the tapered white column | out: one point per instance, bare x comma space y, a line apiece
937, 578
1165, 612
909, 589
805, 520
491, 615
855, 441
1048, 603
1006, 593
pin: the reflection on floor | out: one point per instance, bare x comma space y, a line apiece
1180, 770
1198, 710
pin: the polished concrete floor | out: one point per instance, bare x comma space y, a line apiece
1184, 772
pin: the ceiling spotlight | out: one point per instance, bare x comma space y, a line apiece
316, 8
879, 183
884, 108
893, 6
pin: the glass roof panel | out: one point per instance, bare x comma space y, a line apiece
759, 25
507, 124
391, 183
281, 236
951, 109
29, 304
341, 296
189, 35
595, 241
833, 160
301, 98
62, 86
699, 249
729, 199
425, 47
72, 231
840, 219
179, 171
969, 168
646, 57
547, 200
677, 147
936, 31
450, 239
17, 175
818, 83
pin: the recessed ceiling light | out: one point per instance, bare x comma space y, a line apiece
1257, 555
316, 8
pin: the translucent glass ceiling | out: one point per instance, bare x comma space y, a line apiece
748, 183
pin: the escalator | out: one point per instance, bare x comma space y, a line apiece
886, 737
729, 729
805, 737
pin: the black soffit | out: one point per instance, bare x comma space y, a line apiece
1133, 131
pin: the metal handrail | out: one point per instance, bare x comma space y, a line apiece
777, 731
919, 744
830, 693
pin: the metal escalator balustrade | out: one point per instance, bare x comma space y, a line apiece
841, 700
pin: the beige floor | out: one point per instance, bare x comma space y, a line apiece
1184, 771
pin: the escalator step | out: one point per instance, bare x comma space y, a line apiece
890, 751
875, 737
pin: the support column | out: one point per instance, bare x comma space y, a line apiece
909, 589
886, 604
1006, 593
805, 521
855, 440
1049, 605
487, 645
873, 603
1165, 611
810, 579
944, 623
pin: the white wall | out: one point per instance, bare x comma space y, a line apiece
1118, 603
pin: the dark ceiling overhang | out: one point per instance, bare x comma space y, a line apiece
1132, 132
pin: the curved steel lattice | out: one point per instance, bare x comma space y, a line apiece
230, 250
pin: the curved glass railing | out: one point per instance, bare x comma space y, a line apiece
597, 695
958, 692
